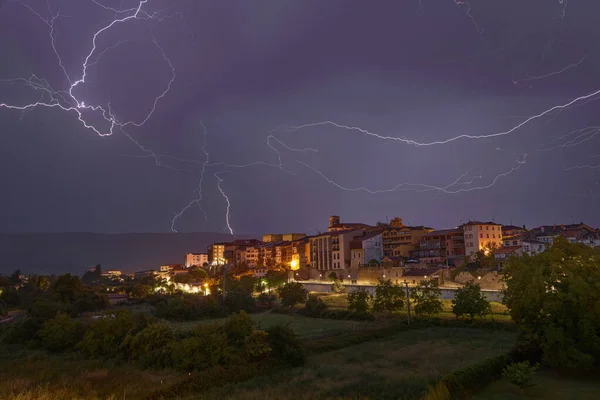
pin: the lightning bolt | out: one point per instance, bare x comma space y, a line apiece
419, 187
579, 99
227, 221
67, 100
467, 7
566, 68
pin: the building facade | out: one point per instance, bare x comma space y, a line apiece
481, 236
331, 251
197, 259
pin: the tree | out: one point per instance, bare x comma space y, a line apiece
427, 298
333, 276
292, 293
61, 333
314, 305
275, 279
388, 297
469, 300
553, 298
358, 300
521, 374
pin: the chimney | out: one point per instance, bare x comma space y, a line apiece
334, 220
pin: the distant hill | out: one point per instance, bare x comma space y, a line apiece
74, 252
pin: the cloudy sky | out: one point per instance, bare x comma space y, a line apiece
306, 108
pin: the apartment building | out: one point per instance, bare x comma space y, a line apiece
331, 251
481, 236
197, 259
445, 246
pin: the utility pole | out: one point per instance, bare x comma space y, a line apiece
407, 301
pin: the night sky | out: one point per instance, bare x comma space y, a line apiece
424, 71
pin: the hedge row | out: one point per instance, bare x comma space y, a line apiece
468, 380
326, 313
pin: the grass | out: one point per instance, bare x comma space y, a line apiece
547, 385
304, 327
397, 367
36, 375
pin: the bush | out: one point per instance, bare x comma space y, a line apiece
292, 293
104, 336
60, 333
207, 347
469, 300
256, 346
150, 346
190, 307
286, 348
358, 300
521, 374
314, 305
437, 392
462, 382
239, 300
266, 299
238, 327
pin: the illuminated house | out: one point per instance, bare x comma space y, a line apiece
481, 236
399, 240
197, 259
444, 246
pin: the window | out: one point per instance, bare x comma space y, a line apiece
487, 227
480, 227
487, 235
481, 235
493, 236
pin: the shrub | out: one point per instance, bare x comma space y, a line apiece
427, 298
150, 346
104, 335
292, 293
207, 347
462, 382
314, 305
238, 327
286, 348
358, 300
337, 287
187, 307
437, 392
256, 346
239, 300
266, 299
60, 333
469, 300
521, 374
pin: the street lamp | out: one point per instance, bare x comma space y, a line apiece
206, 289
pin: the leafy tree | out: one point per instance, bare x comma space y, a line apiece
292, 293
337, 287
247, 283
150, 346
333, 276
553, 297
358, 300
275, 279
521, 374
388, 297
61, 333
206, 347
469, 300
92, 276
427, 298
238, 327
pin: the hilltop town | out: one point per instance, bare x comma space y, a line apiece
358, 253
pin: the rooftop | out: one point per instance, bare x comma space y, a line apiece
442, 232
480, 223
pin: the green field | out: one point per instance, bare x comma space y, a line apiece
547, 385
400, 366
36, 375
304, 327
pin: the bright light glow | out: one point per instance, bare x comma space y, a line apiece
294, 265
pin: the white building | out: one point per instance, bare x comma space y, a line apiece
533, 247
197, 259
